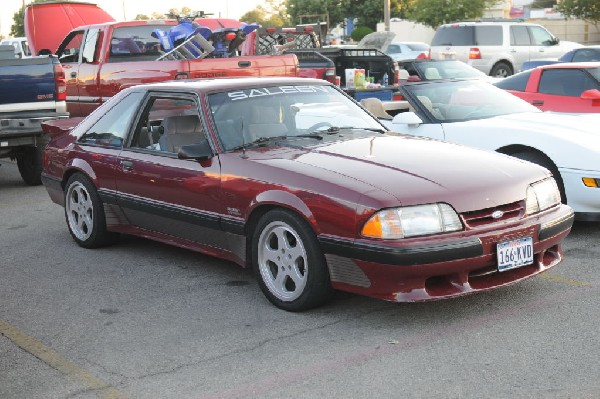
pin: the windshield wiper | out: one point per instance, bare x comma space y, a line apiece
370, 129
269, 139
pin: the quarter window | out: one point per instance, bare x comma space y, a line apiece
111, 129
488, 35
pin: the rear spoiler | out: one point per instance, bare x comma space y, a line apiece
56, 127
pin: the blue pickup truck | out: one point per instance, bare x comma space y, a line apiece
32, 91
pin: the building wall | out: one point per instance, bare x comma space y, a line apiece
573, 30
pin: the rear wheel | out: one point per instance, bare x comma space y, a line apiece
288, 262
84, 213
29, 163
501, 70
542, 160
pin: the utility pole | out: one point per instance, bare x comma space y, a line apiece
386, 14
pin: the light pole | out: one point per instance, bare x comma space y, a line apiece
386, 15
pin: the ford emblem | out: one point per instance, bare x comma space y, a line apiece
497, 214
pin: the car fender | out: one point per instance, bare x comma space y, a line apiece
283, 199
79, 165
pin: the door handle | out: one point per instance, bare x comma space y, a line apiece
244, 64
127, 165
73, 74
537, 102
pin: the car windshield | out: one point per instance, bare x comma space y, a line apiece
447, 70
257, 114
465, 100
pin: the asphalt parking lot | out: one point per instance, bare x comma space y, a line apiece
144, 320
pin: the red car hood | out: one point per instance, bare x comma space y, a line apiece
417, 171
47, 24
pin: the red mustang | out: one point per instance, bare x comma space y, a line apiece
292, 177
568, 87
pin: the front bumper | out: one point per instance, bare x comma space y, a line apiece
432, 268
585, 201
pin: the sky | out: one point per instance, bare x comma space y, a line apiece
128, 9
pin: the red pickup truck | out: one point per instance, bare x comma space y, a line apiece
100, 60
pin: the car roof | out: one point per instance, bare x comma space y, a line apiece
572, 65
223, 84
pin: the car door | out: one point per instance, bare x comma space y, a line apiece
161, 193
520, 43
543, 44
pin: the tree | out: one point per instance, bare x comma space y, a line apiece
587, 10
300, 9
18, 27
273, 13
434, 13
370, 12
360, 32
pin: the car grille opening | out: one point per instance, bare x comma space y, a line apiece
486, 216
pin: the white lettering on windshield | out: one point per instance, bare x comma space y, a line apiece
272, 91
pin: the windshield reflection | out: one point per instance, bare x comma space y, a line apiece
466, 100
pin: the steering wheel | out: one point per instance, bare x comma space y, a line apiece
317, 126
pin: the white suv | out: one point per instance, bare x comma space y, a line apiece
496, 48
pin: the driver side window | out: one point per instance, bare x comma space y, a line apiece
540, 36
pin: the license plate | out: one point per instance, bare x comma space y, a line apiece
514, 253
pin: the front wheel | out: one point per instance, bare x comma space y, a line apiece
84, 213
288, 262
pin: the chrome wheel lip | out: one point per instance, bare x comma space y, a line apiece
286, 263
79, 210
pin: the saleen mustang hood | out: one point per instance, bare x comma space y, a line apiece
464, 177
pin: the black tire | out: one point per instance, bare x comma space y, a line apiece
29, 162
84, 213
501, 70
542, 160
293, 277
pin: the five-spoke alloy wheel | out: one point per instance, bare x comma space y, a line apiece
85, 214
288, 262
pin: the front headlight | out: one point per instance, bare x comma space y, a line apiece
411, 221
541, 195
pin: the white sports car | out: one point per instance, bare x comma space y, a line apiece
477, 114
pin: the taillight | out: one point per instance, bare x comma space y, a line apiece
330, 75
60, 83
396, 74
474, 53
230, 36
424, 56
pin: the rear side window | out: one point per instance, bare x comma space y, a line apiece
519, 36
488, 35
454, 36
516, 82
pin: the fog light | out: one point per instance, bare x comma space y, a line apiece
591, 182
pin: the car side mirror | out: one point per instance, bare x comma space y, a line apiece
407, 118
593, 94
200, 151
